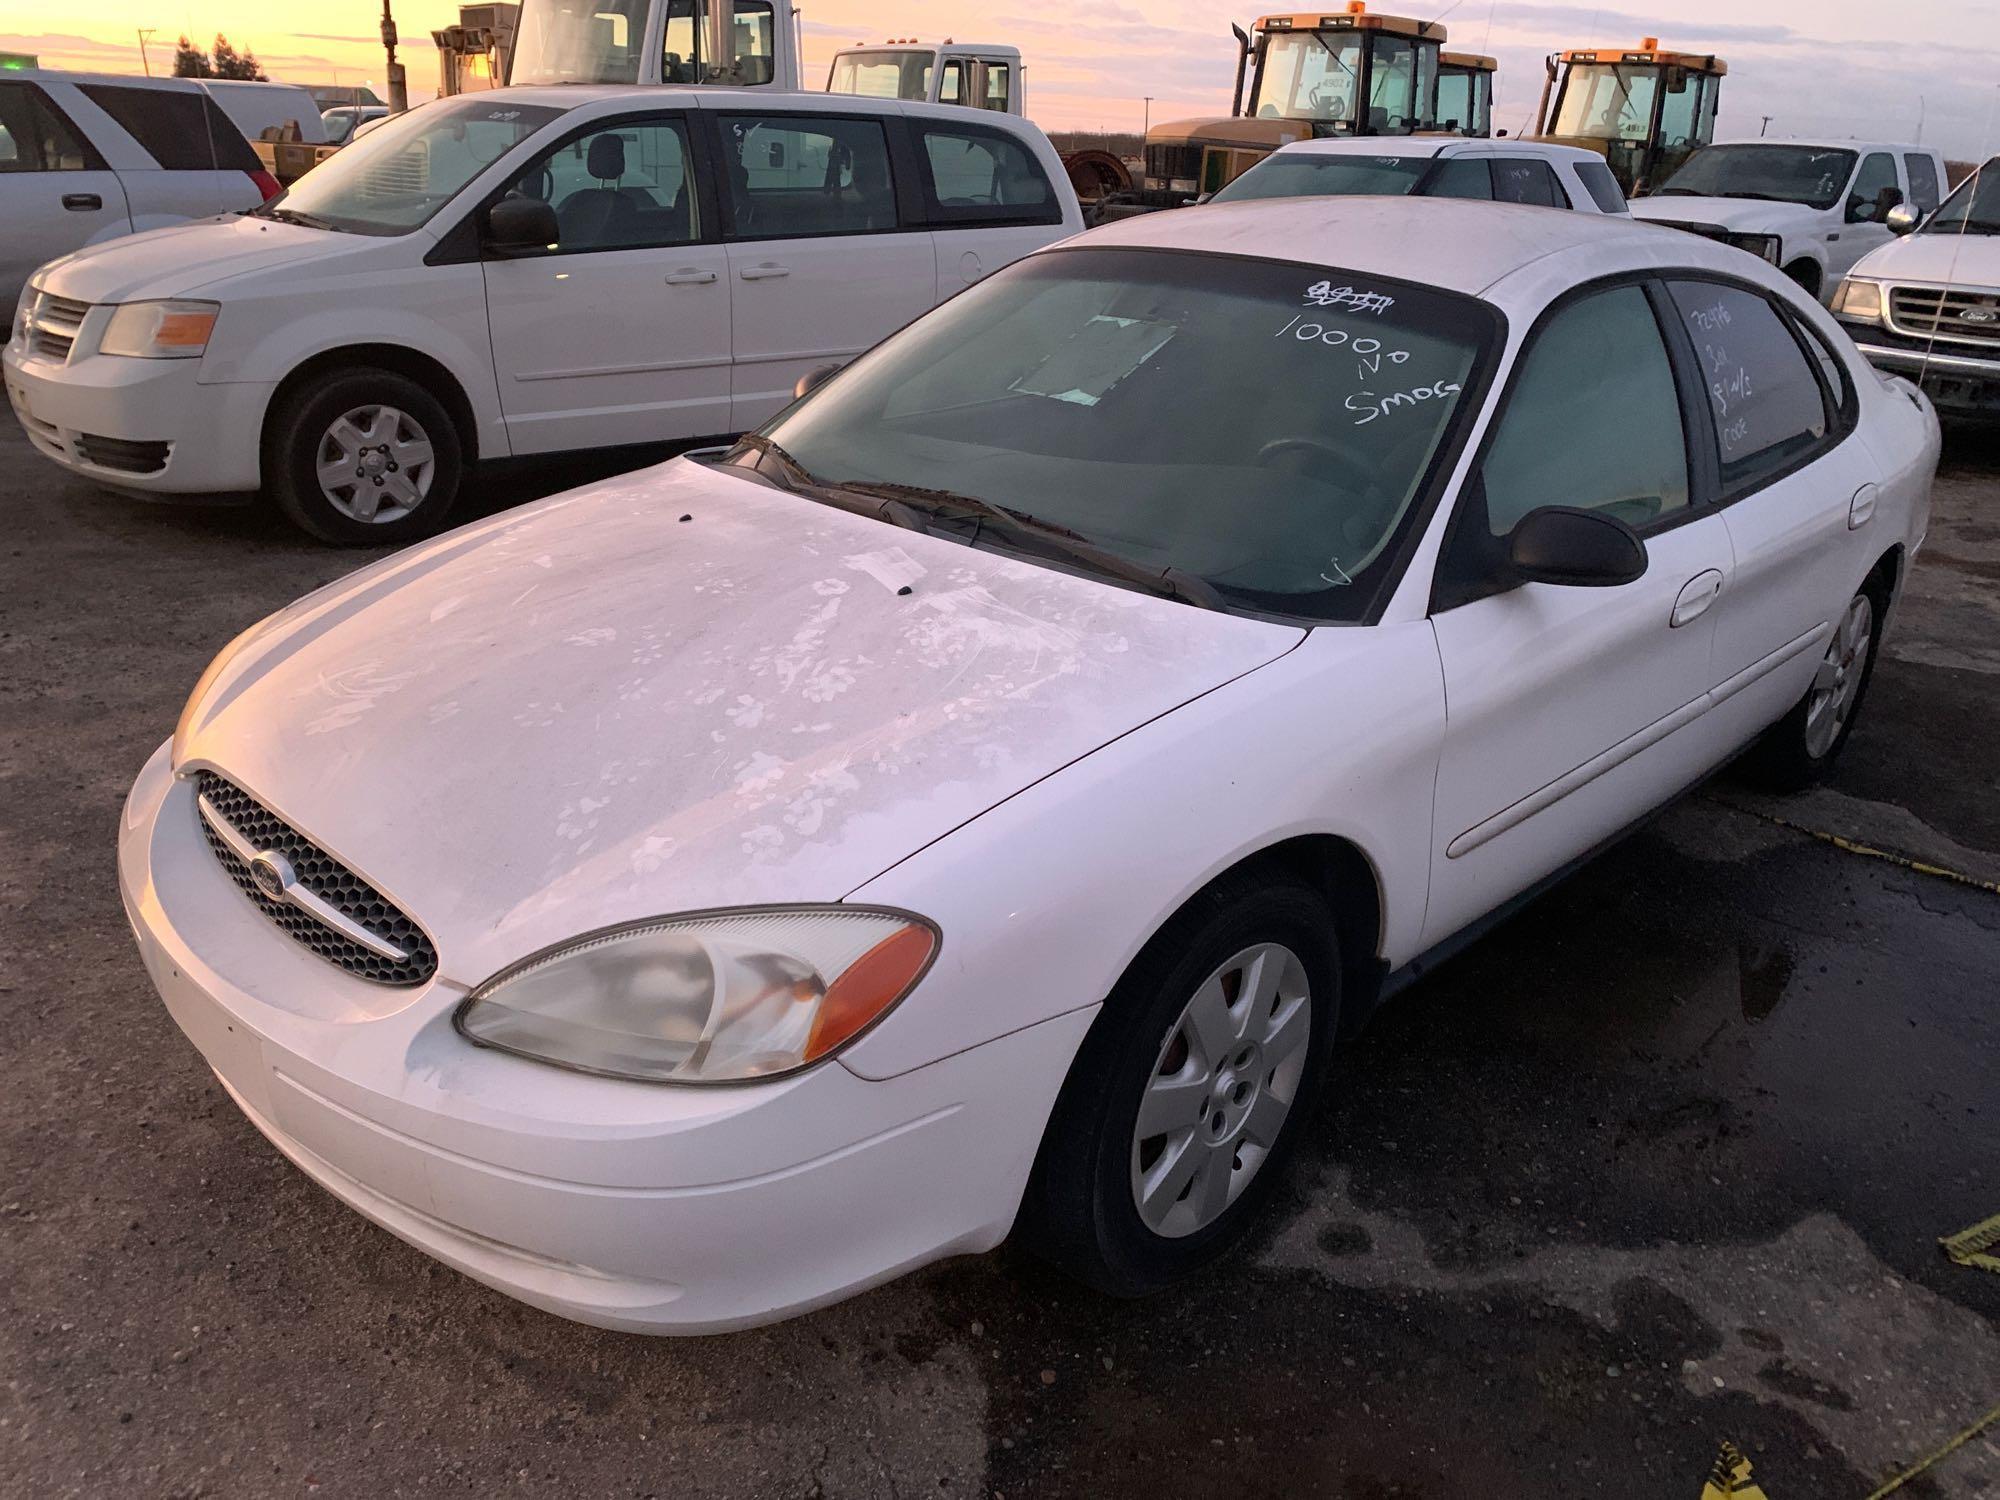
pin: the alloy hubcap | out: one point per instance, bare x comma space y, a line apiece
1838, 682
375, 464
1221, 1090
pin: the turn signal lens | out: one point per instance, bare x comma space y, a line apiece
160, 330
710, 997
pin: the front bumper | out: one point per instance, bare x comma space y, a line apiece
1958, 384
144, 426
646, 1208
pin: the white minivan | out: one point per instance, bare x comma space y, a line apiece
517, 272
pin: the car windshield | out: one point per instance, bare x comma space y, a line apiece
1310, 75
882, 75
1812, 175
1607, 102
1307, 174
396, 176
1973, 207
1262, 428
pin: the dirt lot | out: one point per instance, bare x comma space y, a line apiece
1661, 1162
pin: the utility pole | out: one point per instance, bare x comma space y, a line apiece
1760, 129
1147, 129
398, 85
144, 61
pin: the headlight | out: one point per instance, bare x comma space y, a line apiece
710, 997
1763, 246
29, 292
1861, 300
160, 330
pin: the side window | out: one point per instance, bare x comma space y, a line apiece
1838, 387
999, 86
1767, 403
1461, 177
1592, 418
980, 176
788, 175
1525, 180
1925, 191
181, 129
1602, 186
951, 82
34, 136
1874, 192
624, 187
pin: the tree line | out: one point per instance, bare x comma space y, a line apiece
224, 62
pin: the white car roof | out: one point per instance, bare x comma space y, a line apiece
1818, 144
1436, 145
611, 98
122, 80
1458, 244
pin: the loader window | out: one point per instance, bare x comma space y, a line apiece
1310, 75
1607, 102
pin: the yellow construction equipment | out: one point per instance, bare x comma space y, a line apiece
1645, 110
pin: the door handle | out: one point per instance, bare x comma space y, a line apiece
690, 278
82, 203
1695, 597
764, 273
1861, 507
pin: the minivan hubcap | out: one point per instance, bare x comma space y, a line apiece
1838, 682
1221, 1089
375, 464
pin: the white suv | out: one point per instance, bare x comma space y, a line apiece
86, 157
1536, 173
1812, 208
514, 272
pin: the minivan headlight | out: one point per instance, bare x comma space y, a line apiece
1860, 300
160, 330
708, 997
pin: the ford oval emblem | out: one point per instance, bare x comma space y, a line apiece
271, 874
1979, 315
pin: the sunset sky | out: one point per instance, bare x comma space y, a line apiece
1818, 67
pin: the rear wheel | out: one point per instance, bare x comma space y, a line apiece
361, 457
1188, 1096
1807, 274
1802, 747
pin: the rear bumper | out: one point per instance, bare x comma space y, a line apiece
145, 426
648, 1209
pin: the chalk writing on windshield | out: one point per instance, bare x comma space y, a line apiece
1369, 406
1370, 352
1326, 294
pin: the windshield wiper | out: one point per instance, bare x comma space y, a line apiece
294, 216
919, 507
1760, 197
794, 474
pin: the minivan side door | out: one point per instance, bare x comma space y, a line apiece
827, 249
197, 163
56, 192
987, 197
619, 333
1571, 711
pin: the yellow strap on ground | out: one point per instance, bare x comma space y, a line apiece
1854, 846
1729, 1478
1945, 1452
1969, 1247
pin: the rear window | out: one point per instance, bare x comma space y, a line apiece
1603, 187
1306, 174
181, 129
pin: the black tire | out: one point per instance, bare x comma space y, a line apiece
300, 425
1807, 274
1080, 1210
1784, 758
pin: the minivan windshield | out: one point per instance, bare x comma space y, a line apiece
1264, 429
1973, 207
1309, 174
395, 177
1812, 175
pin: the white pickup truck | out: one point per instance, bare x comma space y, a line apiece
1813, 208
1927, 306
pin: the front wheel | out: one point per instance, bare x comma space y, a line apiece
1801, 748
1190, 1091
363, 457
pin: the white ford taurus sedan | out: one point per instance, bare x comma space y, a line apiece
985, 798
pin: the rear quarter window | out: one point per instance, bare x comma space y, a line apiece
976, 175
1603, 187
181, 129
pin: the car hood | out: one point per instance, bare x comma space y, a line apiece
1966, 260
1746, 215
184, 258
678, 690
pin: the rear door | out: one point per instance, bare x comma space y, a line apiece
619, 333
987, 197
828, 253
201, 164
56, 192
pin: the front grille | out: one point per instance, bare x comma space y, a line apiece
1167, 162
128, 455
1968, 316
52, 325
323, 875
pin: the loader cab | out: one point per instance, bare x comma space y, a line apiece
1465, 94
1645, 111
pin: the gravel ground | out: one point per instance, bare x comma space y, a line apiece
1661, 1162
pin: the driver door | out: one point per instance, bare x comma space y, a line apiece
1572, 711
618, 333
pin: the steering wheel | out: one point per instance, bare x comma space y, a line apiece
1323, 100
1371, 506
1278, 447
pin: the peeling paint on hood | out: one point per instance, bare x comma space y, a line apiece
590, 710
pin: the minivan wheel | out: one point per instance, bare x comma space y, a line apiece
363, 457
1802, 747
1191, 1090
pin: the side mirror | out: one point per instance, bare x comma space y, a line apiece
1902, 219
1580, 548
521, 226
813, 379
